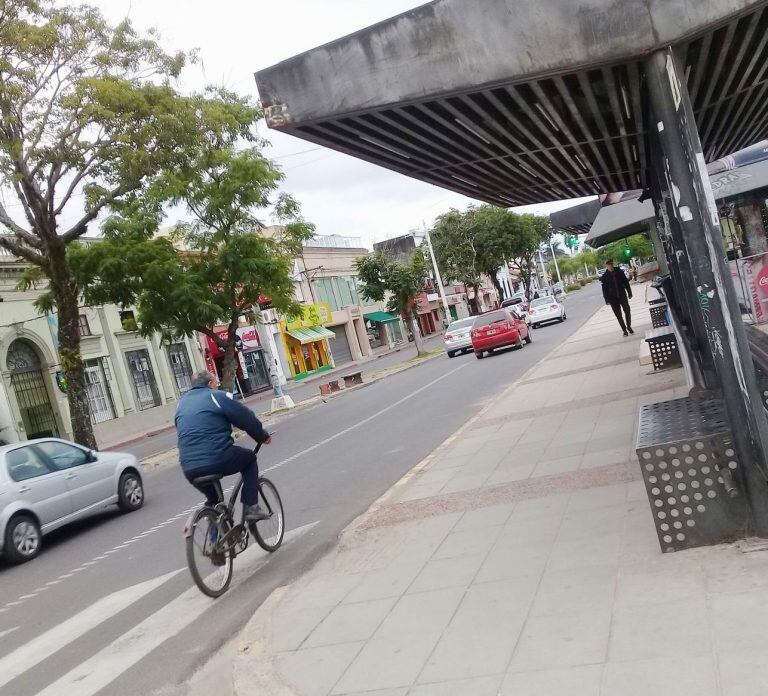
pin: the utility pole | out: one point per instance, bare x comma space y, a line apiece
438, 277
554, 258
543, 269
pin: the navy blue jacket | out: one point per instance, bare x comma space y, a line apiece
204, 420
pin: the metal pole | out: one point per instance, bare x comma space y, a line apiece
438, 277
554, 258
543, 269
695, 210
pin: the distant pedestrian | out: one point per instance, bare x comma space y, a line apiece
617, 293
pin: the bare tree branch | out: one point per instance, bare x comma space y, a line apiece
21, 250
18, 230
80, 227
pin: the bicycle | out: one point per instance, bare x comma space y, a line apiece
214, 539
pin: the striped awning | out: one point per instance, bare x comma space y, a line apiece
311, 334
381, 317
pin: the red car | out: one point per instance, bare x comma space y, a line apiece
498, 329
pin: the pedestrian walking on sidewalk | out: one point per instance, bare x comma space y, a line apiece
617, 293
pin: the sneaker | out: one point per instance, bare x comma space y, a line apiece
254, 513
629, 328
626, 334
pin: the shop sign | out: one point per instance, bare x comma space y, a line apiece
249, 337
756, 272
311, 315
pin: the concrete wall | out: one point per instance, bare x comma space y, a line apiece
451, 45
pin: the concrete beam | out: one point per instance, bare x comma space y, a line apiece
449, 46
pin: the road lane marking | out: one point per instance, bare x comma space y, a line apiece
50, 642
354, 426
95, 673
9, 630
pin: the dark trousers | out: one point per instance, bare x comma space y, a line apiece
240, 461
617, 306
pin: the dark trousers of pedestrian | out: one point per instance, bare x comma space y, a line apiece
240, 461
617, 306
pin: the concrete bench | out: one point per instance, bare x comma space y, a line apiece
664, 351
690, 470
353, 378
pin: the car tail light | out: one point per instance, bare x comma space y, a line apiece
474, 333
554, 306
448, 337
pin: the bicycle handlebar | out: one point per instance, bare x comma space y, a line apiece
259, 444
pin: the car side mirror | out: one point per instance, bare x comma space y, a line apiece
91, 456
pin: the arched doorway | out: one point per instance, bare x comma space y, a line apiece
31, 393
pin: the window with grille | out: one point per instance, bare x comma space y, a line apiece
97, 389
143, 377
82, 325
180, 366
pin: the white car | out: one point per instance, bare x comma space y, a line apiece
544, 309
47, 483
457, 338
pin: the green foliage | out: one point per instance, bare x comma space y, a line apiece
572, 287
210, 270
398, 283
482, 239
639, 246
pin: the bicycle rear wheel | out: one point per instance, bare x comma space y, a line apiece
209, 563
269, 533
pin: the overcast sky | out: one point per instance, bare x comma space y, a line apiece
340, 194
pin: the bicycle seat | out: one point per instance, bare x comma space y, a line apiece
203, 480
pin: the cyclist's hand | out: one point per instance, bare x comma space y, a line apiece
268, 441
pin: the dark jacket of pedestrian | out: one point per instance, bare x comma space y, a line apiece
204, 420
615, 286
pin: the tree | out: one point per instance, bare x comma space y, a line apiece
636, 246
211, 270
89, 120
453, 240
399, 283
532, 232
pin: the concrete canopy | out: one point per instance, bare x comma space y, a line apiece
524, 101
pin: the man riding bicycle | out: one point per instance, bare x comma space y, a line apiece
204, 420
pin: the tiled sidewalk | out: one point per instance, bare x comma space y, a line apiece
520, 559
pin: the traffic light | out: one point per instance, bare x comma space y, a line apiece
627, 252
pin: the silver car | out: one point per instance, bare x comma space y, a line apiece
458, 337
47, 483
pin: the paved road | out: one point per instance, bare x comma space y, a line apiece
163, 441
109, 608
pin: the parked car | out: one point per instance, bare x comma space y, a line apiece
544, 309
457, 336
519, 304
48, 483
498, 329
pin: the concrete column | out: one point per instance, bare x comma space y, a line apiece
696, 211
123, 396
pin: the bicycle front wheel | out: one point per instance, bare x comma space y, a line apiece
210, 562
269, 532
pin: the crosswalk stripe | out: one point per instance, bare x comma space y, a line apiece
107, 665
50, 642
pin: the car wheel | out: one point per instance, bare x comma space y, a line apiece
528, 338
479, 354
22, 539
535, 326
451, 353
130, 492
564, 316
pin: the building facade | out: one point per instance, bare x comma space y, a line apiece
133, 383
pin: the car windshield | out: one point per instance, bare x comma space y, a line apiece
539, 301
461, 324
490, 318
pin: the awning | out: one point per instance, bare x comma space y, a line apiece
311, 334
381, 317
620, 220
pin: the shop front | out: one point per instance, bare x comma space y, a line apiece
383, 329
252, 372
306, 341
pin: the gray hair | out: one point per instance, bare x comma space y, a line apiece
201, 379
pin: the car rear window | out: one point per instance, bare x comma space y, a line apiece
542, 301
490, 318
512, 301
461, 324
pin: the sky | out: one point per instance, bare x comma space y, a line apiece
339, 194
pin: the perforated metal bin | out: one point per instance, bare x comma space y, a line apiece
691, 474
